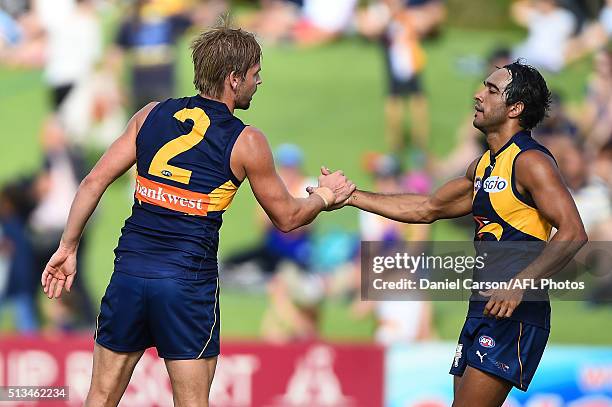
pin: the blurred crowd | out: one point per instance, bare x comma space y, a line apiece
96, 81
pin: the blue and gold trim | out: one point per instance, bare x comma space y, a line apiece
500, 211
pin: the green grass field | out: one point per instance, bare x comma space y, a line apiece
329, 101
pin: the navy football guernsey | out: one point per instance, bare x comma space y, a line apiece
510, 348
502, 213
183, 186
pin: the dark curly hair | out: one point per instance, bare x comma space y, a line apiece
528, 86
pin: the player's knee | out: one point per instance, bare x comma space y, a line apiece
98, 398
102, 395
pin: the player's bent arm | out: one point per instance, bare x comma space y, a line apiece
119, 157
252, 157
537, 173
451, 200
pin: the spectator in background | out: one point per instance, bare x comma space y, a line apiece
602, 173
295, 297
55, 188
10, 31
397, 321
21, 37
65, 38
276, 247
593, 36
557, 123
17, 256
148, 36
589, 190
550, 27
323, 21
73, 44
589, 179
62, 36
401, 25
295, 293
304, 22
275, 20
602, 166
596, 115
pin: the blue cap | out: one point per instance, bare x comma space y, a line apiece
289, 155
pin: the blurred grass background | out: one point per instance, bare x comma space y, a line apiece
329, 101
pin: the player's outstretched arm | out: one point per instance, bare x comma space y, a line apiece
121, 155
537, 173
451, 200
252, 157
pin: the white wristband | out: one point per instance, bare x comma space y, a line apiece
324, 200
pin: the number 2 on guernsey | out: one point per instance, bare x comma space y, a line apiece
159, 165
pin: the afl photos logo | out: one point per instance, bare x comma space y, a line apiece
486, 341
494, 184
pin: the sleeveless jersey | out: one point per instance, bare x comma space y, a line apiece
501, 213
184, 184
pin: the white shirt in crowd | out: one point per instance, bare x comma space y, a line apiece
74, 41
547, 39
333, 16
593, 203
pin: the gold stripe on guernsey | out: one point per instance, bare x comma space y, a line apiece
504, 202
509, 207
212, 328
97, 326
518, 351
221, 198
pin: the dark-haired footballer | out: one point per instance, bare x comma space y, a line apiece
515, 193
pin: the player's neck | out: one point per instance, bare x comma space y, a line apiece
226, 100
499, 138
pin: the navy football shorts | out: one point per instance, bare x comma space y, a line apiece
179, 316
505, 348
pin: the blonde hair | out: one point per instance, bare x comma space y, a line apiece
220, 51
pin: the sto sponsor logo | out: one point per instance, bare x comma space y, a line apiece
494, 184
486, 341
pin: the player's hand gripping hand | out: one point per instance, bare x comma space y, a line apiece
502, 303
60, 271
341, 186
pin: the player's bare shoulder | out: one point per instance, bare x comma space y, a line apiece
250, 148
534, 166
251, 137
141, 115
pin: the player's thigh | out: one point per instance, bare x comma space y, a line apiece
456, 383
478, 388
110, 375
183, 317
191, 380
